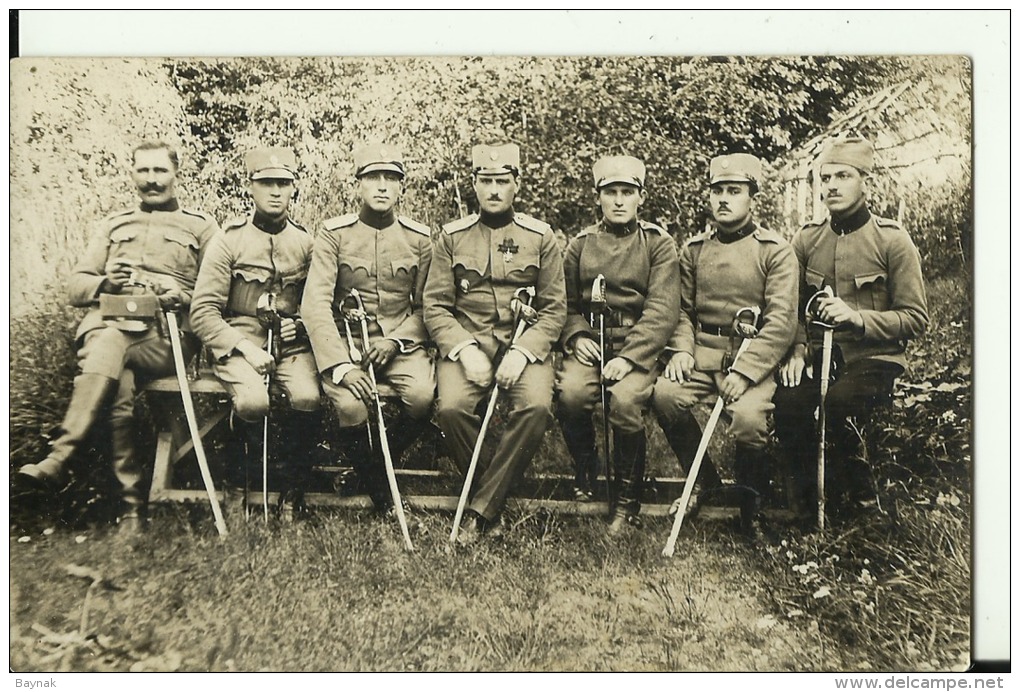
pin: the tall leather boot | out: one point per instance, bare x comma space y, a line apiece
684, 436
579, 435
90, 392
368, 464
300, 431
402, 431
751, 468
129, 473
630, 473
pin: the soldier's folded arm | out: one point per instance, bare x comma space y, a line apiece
328, 346
907, 315
411, 334
439, 301
212, 289
86, 282
779, 317
660, 315
550, 300
576, 324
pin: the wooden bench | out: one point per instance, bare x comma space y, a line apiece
537, 492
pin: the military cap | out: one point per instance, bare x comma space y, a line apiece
735, 168
378, 157
851, 151
491, 159
618, 169
271, 162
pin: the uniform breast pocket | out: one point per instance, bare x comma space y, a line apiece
403, 272
353, 269
247, 284
815, 280
124, 244
468, 272
872, 291
179, 252
524, 269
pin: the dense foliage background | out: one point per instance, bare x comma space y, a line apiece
74, 122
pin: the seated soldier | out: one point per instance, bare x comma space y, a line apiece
385, 259
735, 265
250, 283
154, 247
878, 302
638, 262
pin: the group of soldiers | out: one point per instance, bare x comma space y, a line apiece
641, 327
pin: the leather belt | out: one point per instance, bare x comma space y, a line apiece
715, 330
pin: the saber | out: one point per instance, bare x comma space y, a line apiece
355, 354
384, 443
189, 413
600, 303
811, 316
270, 318
747, 330
525, 315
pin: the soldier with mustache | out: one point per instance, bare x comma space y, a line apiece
734, 265
154, 246
878, 304
478, 265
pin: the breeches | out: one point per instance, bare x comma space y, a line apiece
295, 377
748, 415
577, 386
412, 377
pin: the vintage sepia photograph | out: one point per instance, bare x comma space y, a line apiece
492, 362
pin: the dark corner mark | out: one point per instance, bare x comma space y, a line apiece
989, 666
13, 28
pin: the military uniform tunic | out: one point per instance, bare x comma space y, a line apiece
756, 269
388, 267
165, 247
244, 262
872, 264
641, 271
476, 268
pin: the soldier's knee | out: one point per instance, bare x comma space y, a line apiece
749, 428
418, 404
573, 402
668, 399
251, 403
305, 397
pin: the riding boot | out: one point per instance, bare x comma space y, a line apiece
300, 433
128, 472
579, 435
403, 431
368, 464
751, 468
630, 470
90, 393
684, 436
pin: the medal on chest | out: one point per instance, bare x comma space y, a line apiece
509, 249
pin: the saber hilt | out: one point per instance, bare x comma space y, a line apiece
813, 310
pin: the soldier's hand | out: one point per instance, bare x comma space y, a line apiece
791, 372
117, 276
835, 311
359, 383
170, 299
733, 387
617, 369
679, 367
288, 329
477, 366
259, 360
381, 353
510, 368
587, 351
